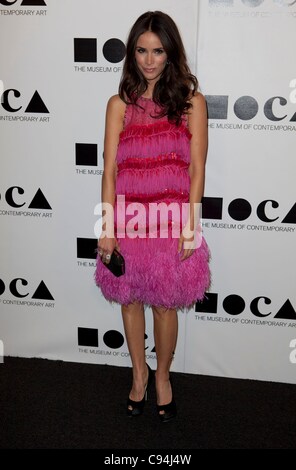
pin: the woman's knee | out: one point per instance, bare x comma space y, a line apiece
160, 311
132, 307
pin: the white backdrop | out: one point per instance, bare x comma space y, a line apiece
60, 62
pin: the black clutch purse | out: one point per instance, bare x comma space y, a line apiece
116, 264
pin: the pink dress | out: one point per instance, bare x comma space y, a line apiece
152, 160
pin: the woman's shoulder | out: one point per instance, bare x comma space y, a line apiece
197, 99
198, 113
116, 109
116, 103
198, 106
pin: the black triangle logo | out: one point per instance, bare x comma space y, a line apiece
36, 105
291, 216
39, 201
42, 292
33, 3
287, 312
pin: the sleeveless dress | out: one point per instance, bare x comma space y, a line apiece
153, 158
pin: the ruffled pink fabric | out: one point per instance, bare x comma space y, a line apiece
153, 159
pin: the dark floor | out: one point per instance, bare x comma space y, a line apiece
61, 405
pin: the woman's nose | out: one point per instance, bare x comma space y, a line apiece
149, 58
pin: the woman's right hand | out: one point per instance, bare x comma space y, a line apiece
106, 247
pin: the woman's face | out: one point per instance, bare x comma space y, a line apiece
150, 56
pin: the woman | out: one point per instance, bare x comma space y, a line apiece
155, 152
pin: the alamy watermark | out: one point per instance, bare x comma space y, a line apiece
293, 352
152, 220
1, 90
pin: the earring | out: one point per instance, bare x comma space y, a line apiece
168, 62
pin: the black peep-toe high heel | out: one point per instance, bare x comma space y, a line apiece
138, 406
169, 411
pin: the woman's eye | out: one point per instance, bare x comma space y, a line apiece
159, 51
140, 50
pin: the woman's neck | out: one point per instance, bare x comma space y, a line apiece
149, 92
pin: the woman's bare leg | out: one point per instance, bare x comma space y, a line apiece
165, 337
134, 326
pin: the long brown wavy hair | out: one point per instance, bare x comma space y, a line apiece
176, 85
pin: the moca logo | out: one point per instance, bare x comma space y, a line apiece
36, 104
16, 288
85, 50
24, 3
247, 107
12, 198
90, 337
251, 3
236, 305
241, 209
113, 339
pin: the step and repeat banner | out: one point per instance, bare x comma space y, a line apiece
61, 60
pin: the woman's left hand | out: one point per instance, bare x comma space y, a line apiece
188, 249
